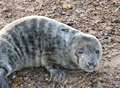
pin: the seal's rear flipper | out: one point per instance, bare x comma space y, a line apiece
3, 81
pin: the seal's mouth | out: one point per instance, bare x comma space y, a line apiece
90, 68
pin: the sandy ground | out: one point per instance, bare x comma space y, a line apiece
98, 17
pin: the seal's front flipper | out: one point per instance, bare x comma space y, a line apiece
57, 74
3, 81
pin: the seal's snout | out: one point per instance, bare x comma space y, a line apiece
92, 64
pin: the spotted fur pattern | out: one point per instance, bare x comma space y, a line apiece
35, 41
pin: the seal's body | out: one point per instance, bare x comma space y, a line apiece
41, 41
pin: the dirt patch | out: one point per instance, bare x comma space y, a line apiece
115, 62
98, 17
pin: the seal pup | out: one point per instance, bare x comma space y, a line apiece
41, 41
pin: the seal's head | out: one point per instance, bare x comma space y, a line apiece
86, 52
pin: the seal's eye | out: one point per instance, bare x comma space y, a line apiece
97, 51
80, 50
65, 30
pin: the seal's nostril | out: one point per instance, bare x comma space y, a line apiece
92, 64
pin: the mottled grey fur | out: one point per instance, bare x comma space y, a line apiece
41, 41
